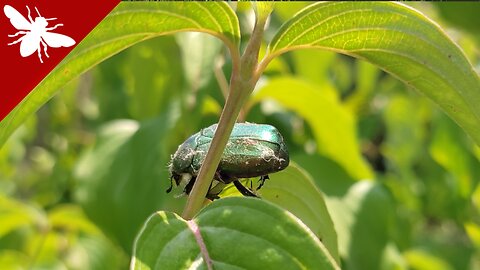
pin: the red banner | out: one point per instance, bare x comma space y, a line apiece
36, 35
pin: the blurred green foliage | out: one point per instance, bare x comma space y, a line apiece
79, 178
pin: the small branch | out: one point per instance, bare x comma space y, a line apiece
221, 80
242, 82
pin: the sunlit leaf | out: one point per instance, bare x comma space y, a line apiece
313, 65
126, 25
423, 260
263, 8
71, 217
287, 9
264, 237
88, 247
399, 40
294, 190
332, 124
13, 259
473, 231
15, 215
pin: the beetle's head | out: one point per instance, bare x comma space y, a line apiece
177, 179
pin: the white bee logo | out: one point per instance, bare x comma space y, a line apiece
36, 33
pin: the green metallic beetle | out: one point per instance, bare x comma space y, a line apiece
253, 150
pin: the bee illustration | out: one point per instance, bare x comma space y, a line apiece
35, 33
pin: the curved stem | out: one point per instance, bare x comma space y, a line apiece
242, 83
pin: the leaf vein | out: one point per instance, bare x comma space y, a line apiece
194, 22
210, 15
299, 20
306, 31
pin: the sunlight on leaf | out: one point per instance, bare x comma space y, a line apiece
263, 9
423, 260
294, 190
268, 236
332, 124
399, 40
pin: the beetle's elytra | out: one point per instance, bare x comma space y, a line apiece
253, 150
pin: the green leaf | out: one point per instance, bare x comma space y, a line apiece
332, 124
399, 40
362, 212
70, 217
287, 9
454, 157
126, 25
473, 231
263, 236
469, 20
263, 9
152, 75
365, 84
13, 259
363, 219
405, 119
122, 179
294, 190
198, 64
69, 222
15, 215
423, 260
329, 176
164, 242
313, 65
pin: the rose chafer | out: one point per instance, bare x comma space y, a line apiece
253, 150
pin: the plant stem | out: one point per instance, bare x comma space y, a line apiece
242, 83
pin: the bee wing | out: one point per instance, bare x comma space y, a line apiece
55, 40
16, 19
29, 44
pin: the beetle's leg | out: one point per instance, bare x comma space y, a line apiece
171, 185
262, 181
245, 191
211, 196
189, 186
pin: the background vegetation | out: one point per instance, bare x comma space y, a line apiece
400, 178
